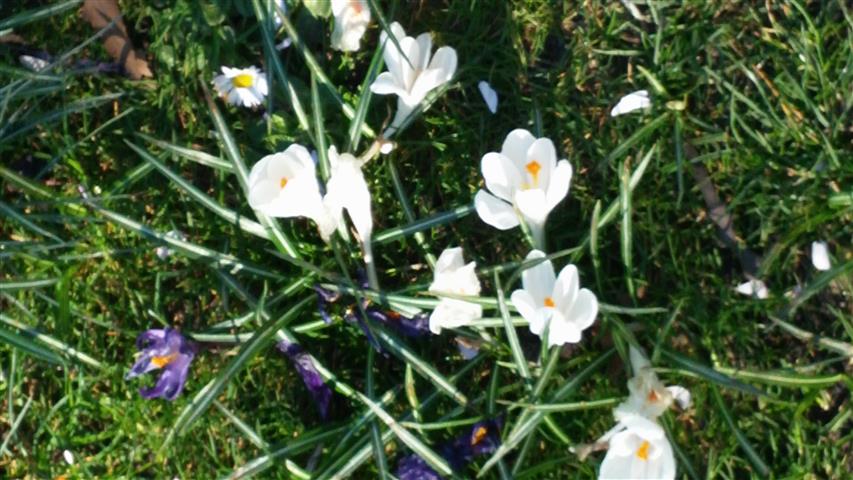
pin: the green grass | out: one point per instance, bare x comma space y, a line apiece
763, 96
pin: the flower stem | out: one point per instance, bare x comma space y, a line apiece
372, 277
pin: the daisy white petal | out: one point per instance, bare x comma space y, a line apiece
820, 256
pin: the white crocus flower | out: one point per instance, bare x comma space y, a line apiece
633, 101
820, 256
412, 71
638, 449
351, 20
554, 303
524, 179
347, 190
454, 277
753, 288
285, 184
648, 396
241, 86
490, 96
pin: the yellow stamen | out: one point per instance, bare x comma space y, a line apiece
161, 362
533, 167
549, 302
643, 451
244, 80
479, 435
283, 182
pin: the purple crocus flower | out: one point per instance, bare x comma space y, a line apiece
482, 439
308, 371
163, 349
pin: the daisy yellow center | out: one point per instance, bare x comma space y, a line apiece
479, 435
282, 183
643, 451
244, 80
549, 302
533, 167
161, 362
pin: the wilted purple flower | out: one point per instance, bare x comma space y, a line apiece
414, 326
325, 297
166, 349
482, 439
413, 467
308, 371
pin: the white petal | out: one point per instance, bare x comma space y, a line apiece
68, 456
639, 362
516, 144
490, 96
820, 256
495, 212
423, 84
445, 62
681, 396
386, 84
566, 287
753, 288
424, 42
449, 260
584, 310
558, 186
532, 205
452, 313
501, 175
34, 64
527, 308
633, 101
562, 331
539, 280
541, 151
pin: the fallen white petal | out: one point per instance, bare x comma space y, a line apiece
490, 96
753, 288
820, 256
33, 63
287, 42
68, 456
633, 101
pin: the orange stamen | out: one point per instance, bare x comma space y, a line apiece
643, 451
549, 302
283, 182
479, 435
161, 362
533, 168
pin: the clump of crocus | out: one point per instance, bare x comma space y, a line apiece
555, 304
164, 349
241, 86
524, 181
483, 438
637, 447
304, 364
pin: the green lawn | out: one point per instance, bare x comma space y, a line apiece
756, 95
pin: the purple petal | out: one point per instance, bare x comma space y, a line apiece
321, 392
351, 317
485, 437
171, 381
413, 467
413, 327
150, 337
325, 297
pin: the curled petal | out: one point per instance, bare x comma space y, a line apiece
516, 144
558, 186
